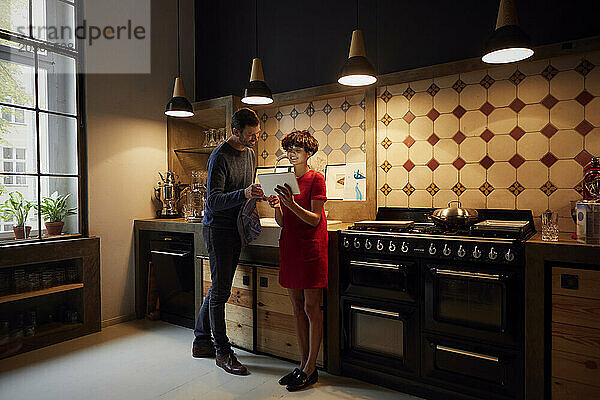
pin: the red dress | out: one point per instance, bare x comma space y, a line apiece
303, 249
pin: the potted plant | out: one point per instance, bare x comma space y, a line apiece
16, 207
54, 209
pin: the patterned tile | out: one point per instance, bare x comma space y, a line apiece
579, 188
549, 101
310, 109
486, 188
386, 119
548, 188
517, 77
345, 106
408, 117
433, 114
327, 129
549, 72
486, 108
433, 164
279, 153
486, 135
327, 109
517, 105
279, 134
583, 158
345, 148
408, 93
345, 127
433, 89
487, 81
386, 189
363, 103
408, 189
363, 147
311, 130
459, 111
517, 133
327, 149
385, 96
549, 130
363, 125
584, 97
264, 154
486, 162
433, 189
409, 141
459, 188
264, 136
516, 161
459, 137
584, 127
408, 165
278, 116
264, 117
459, 86
385, 143
433, 139
386, 166
549, 159
516, 188
584, 67
459, 163
294, 113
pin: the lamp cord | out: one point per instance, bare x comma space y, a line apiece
256, 26
357, 15
178, 46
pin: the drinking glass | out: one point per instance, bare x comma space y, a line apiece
208, 142
550, 226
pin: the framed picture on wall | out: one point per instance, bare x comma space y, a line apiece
335, 177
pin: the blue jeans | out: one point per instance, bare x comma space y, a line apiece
224, 248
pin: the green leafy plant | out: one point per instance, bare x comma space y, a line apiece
54, 208
15, 207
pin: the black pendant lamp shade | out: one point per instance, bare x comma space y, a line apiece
508, 43
257, 91
357, 70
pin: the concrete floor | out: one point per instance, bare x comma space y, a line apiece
152, 360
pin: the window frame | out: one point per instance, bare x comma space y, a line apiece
77, 53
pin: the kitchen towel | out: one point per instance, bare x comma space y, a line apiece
248, 222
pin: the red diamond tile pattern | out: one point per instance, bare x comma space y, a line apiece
549, 159
549, 101
433, 89
584, 67
386, 143
459, 111
459, 188
486, 188
516, 188
386, 96
516, 161
517, 133
408, 165
409, 141
459, 137
433, 189
386, 119
486, 108
517, 105
433, 139
584, 127
549, 130
548, 188
487, 81
409, 117
433, 164
549, 72
408, 189
433, 114
517, 77
487, 135
583, 158
386, 166
584, 97
408, 93
459, 163
486, 162
386, 189
459, 86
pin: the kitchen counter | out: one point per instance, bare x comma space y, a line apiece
564, 239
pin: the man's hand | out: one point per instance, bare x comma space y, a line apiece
254, 191
274, 201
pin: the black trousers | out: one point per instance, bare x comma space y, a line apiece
224, 248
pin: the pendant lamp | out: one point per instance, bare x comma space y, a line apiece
357, 70
179, 106
257, 91
508, 43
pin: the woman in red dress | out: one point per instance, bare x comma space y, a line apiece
303, 253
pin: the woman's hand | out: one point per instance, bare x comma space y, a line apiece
286, 197
274, 202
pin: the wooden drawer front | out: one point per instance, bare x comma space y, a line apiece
576, 311
242, 278
588, 282
576, 368
239, 314
239, 334
282, 344
576, 339
567, 390
267, 280
279, 303
240, 297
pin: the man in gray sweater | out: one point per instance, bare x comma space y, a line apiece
231, 168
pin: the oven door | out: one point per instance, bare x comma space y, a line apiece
379, 336
379, 278
479, 303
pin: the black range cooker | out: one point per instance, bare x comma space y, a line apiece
433, 312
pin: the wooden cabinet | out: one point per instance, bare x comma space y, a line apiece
575, 333
275, 323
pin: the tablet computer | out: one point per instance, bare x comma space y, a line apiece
269, 182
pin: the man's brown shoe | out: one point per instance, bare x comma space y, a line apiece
230, 364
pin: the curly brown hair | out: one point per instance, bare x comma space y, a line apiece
302, 139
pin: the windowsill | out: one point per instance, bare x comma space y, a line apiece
8, 239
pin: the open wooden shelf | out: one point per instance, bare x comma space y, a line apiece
197, 150
43, 334
42, 292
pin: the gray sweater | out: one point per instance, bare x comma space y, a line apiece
230, 171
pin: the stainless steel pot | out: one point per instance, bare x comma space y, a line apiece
455, 216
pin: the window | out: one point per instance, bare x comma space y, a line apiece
40, 111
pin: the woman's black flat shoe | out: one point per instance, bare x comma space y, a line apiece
289, 378
302, 381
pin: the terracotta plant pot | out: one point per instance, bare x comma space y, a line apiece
54, 228
21, 232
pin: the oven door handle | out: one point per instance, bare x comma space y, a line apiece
170, 253
466, 274
375, 265
374, 311
467, 353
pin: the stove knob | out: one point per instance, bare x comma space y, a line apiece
368, 244
346, 243
476, 252
493, 254
404, 247
432, 249
461, 251
447, 250
356, 243
379, 245
509, 256
392, 247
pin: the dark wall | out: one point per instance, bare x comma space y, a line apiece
304, 43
